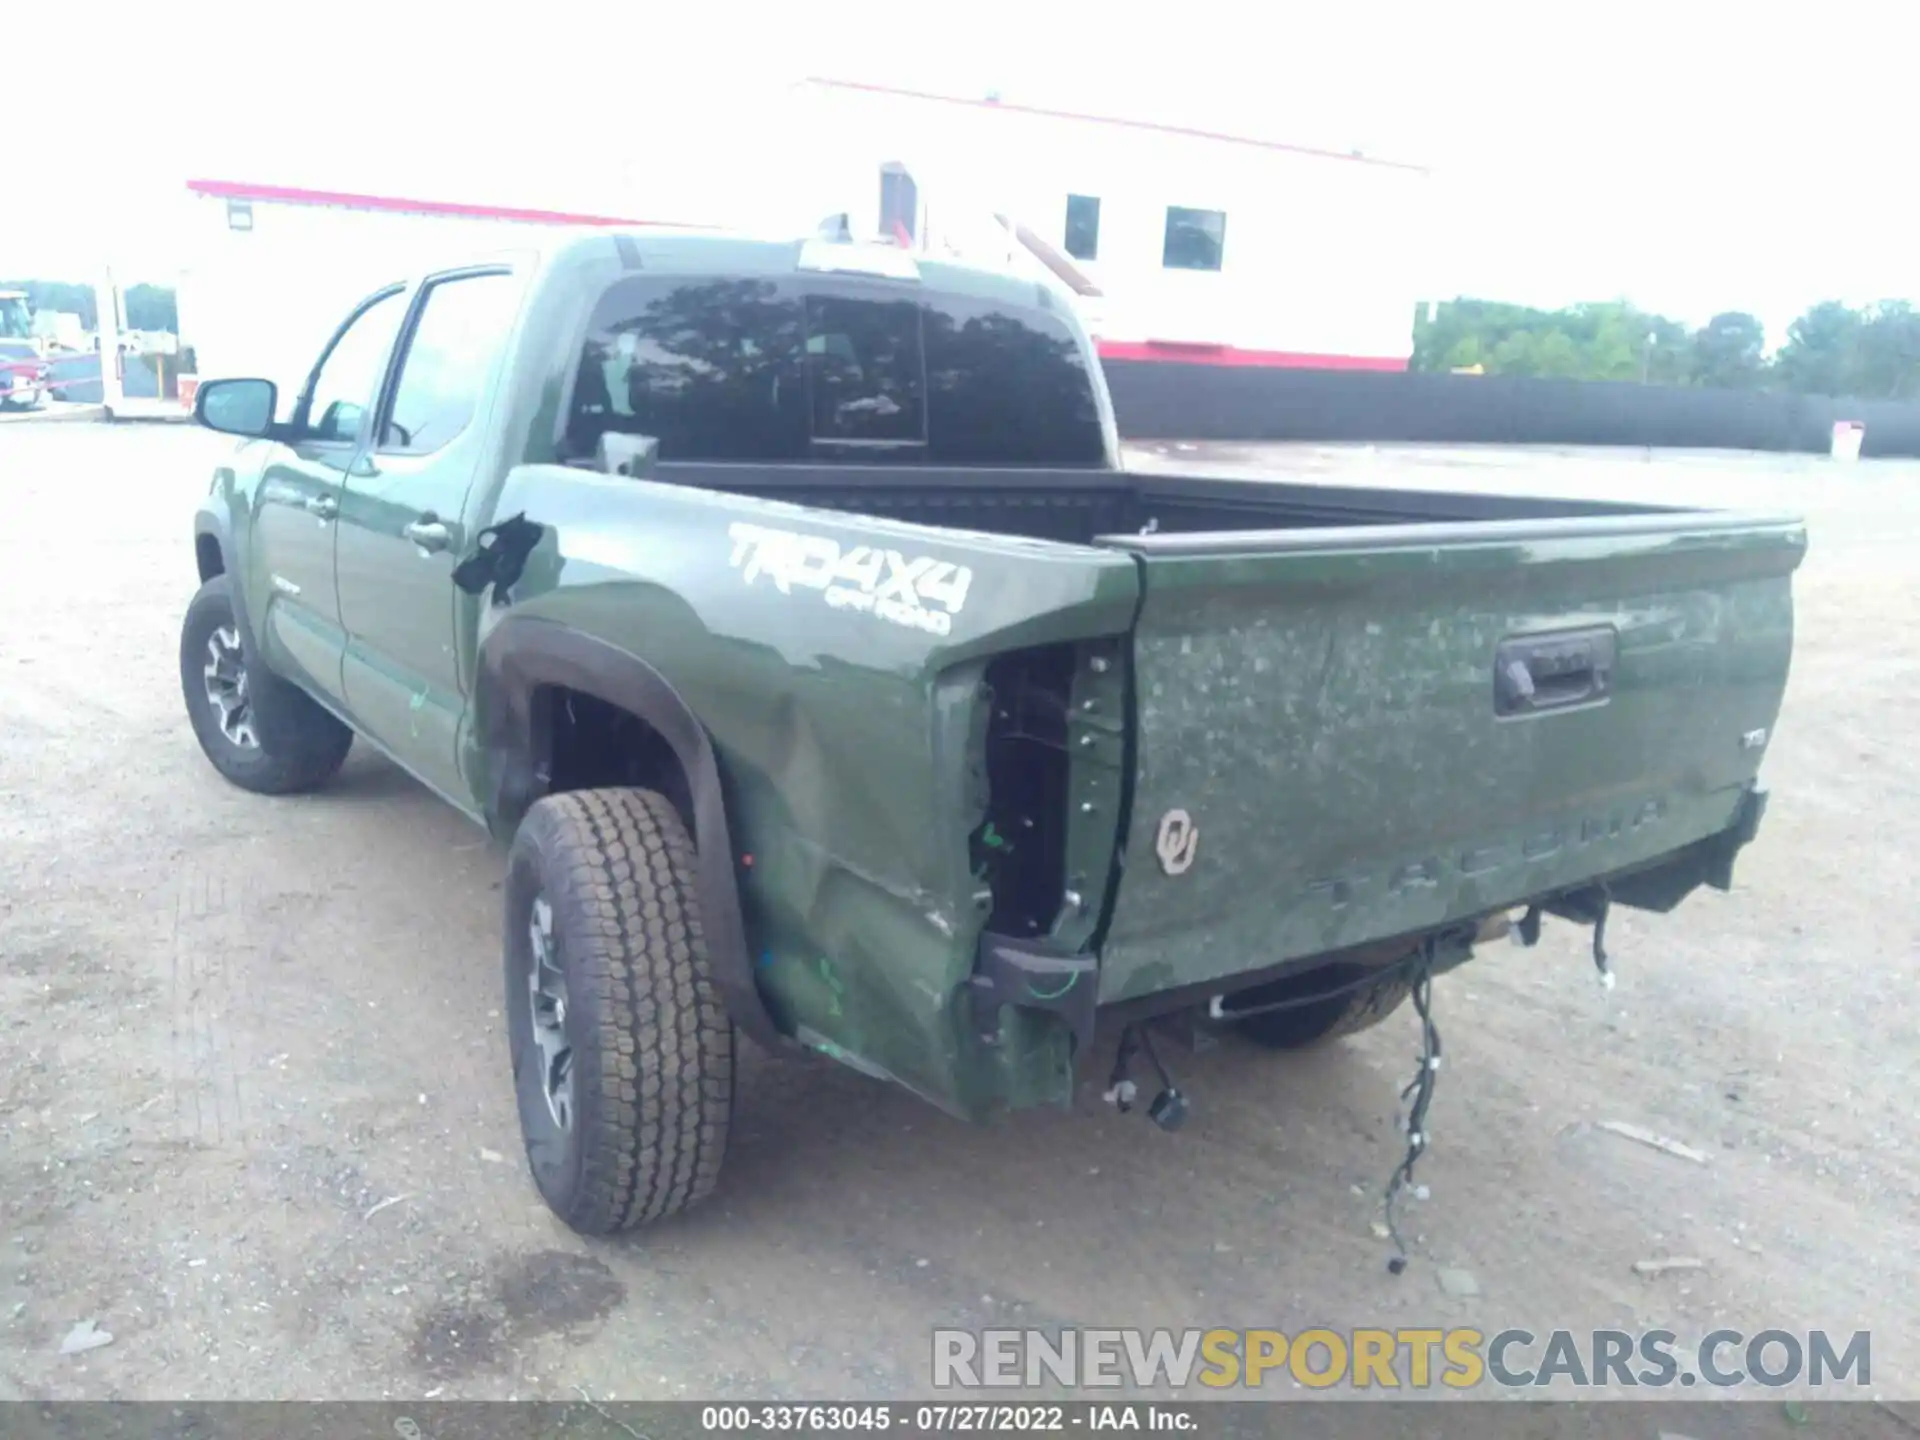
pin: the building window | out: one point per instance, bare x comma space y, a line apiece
1196, 239
1083, 227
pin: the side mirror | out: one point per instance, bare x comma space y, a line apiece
236, 407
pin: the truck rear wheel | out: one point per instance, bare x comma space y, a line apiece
1303, 1026
622, 1051
259, 731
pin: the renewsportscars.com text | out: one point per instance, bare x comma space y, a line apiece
1459, 1358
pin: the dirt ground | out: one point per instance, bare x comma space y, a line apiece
255, 1117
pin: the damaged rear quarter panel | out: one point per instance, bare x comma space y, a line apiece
848, 741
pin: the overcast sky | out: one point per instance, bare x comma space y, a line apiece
1689, 156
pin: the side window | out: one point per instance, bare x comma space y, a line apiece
1083, 227
865, 371
1195, 240
348, 376
712, 369
1007, 387
461, 326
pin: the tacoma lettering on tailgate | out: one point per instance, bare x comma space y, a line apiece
1428, 871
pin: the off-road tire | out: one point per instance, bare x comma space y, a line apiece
299, 746
652, 1047
1309, 1026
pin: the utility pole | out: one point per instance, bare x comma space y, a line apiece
106, 305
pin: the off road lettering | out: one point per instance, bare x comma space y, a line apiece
920, 592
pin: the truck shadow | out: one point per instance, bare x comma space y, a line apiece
369, 776
830, 1173
1032, 1209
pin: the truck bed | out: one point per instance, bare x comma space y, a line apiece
1082, 506
1387, 710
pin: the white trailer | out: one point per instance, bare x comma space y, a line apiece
1201, 246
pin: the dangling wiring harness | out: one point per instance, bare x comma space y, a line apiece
1420, 1089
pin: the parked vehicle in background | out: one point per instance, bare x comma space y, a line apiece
24, 374
785, 607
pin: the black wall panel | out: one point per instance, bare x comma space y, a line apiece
1170, 400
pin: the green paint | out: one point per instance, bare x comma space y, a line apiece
834, 988
1319, 700
1325, 716
1072, 980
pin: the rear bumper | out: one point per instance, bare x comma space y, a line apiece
1025, 975
1663, 884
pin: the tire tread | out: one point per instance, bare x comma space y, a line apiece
660, 1065
301, 745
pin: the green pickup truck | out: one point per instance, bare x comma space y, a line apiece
786, 608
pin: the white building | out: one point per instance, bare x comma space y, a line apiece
274, 269
1179, 244
1203, 246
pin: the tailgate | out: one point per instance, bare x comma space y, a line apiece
1350, 734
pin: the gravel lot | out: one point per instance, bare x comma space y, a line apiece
255, 1118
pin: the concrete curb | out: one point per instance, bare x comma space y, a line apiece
45, 416
98, 413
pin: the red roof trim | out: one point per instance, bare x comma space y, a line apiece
1188, 132
289, 195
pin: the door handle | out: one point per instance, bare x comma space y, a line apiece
428, 534
1533, 674
325, 506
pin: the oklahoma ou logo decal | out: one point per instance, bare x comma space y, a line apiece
1176, 842
919, 591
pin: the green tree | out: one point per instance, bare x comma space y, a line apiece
1729, 352
142, 307
1821, 352
57, 295
1610, 340
1886, 359
150, 307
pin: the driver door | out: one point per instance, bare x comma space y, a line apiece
290, 562
405, 525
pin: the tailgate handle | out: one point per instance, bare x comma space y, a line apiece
1537, 673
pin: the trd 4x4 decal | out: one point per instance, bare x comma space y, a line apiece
917, 591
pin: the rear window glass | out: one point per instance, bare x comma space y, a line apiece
864, 370
712, 368
1007, 388
762, 370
